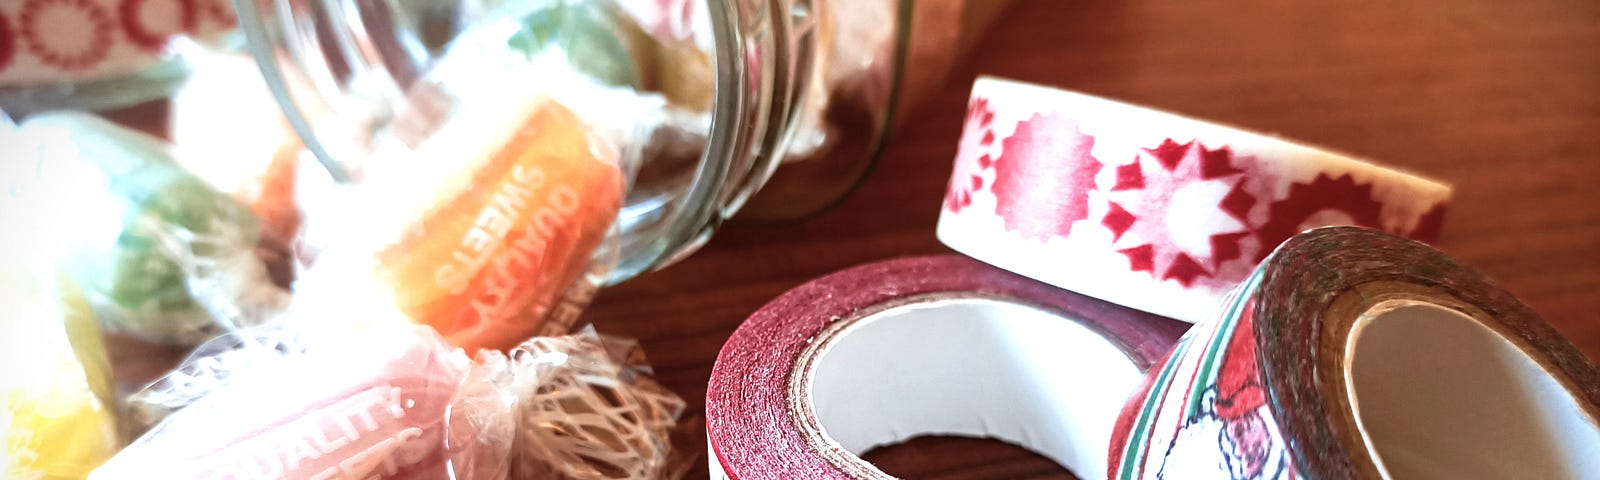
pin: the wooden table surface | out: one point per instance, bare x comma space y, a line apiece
1502, 99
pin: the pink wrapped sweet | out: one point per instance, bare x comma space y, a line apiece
391, 402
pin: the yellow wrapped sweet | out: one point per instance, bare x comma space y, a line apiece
55, 419
54, 414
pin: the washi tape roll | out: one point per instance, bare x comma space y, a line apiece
54, 40
944, 345
1355, 354
1148, 209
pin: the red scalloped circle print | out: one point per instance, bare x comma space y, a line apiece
1178, 165
133, 22
1324, 195
97, 24
1043, 176
972, 156
8, 43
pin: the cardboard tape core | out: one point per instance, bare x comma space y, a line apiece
1438, 394
964, 366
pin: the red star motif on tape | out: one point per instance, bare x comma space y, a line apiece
1429, 226
973, 155
1324, 201
1043, 176
1167, 182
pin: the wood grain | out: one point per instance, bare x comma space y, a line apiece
1502, 99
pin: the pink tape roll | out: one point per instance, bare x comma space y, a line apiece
53, 40
887, 351
1148, 209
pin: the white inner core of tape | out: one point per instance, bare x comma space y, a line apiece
973, 367
1438, 395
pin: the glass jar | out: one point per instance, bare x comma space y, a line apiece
705, 98
484, 165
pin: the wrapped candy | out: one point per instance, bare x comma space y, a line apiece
487, 249
54, 416
585, 33
56, 420
228, 130
162, 255
389, 400
606, 42
385, 400
585, 414
487, 263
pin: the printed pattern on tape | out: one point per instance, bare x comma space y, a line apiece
1206, 415
1148, 209
1269, 387
55, 40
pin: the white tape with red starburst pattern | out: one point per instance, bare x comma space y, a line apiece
45, 41
1149, 209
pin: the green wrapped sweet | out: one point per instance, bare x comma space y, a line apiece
587, 33
169, 204
177, 235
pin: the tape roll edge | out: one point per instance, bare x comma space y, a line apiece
1142, 336
1307, 409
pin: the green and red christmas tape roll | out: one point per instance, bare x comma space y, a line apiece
1354, 354
1148, 209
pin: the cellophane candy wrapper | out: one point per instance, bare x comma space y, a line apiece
484, 229
208, 368
55, 415
56, 421
160, 254
588, 409
227, 129
391, 400
290, 401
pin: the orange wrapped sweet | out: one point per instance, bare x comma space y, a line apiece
504, 238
